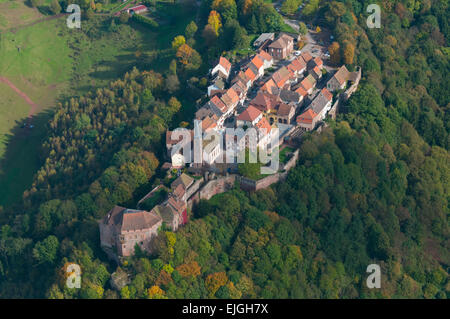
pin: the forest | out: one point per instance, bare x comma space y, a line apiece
373, 187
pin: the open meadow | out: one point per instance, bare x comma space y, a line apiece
43, 62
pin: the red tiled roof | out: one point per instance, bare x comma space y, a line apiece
257, 62
306, 56
250, 114
300, 90
225, 63
328, 95
218, 102
241, 76
249, 73
306, 117
341, 75
301, 62
318, 61
178, 205
282, 76
281, 42
296, 65
265, 56
179, 191
284, 109
269, 86
208, 123
263, 125
307, 85
317, 70
239, 87
138, 8
264, 102
130, 219
231, 93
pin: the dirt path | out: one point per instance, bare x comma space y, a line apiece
14, 29
33, 106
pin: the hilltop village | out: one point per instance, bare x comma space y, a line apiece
277, 87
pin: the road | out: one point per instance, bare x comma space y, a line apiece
311, 38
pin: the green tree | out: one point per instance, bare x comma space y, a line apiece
45, 251
191, 29
302, 28
55, 7
124, 17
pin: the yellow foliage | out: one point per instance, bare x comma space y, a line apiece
335, 55
214, 281
178, 41
184, 53
189, 269
215, 21
155, 292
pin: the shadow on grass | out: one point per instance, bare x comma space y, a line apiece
22, 159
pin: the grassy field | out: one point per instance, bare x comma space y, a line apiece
48, 62
14, 13
37, 61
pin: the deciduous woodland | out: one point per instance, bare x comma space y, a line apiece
372, 187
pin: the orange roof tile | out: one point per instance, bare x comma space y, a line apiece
328, 95
249, 73
208, 123
300, 90
225, 63
306, 56
306, 117
269, 86
250, 114
318, 61
264, 102
220, 105
265, 56
257, 62
296, 65
307, 85
263, 125
341, 75
282, 76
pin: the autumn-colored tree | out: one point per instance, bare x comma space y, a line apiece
189, 269
189, 57
215, 21
164, 278
348, 53
184, 54
155, 292
246, 6
233, 291
335, 53
214, 281
178, 41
